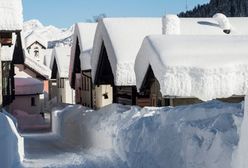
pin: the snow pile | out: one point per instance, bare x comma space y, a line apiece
11, 144
223, 21
203, 135
206, 67
171, 24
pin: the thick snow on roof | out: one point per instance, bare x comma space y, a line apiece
84, 34
7, 52
35, 37
62, 57
206, 67
27, 86
122, 38
11, 15
37, 66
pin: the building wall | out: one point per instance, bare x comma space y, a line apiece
65, 94
99, 99
37, 52
22, 71
24, 103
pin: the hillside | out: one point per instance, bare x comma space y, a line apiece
231, 8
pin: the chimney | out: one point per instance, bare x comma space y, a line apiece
223, 22
171, 25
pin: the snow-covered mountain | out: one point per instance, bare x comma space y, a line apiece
55, 36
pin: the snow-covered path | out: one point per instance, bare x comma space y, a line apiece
46, 150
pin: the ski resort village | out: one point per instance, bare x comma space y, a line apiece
124, 90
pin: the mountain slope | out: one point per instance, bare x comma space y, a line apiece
53, 35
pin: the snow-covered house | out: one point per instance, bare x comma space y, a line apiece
59, 86
31, 74
80, 66
10, 28
36, 46
186, 62
116, 45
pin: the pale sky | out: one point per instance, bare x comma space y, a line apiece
64, 13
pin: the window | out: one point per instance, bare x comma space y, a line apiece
33, 101
61, 83
36, 52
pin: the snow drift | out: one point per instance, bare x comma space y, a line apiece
203, 135
11, 144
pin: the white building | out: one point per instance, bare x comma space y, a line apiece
59, 84
36, 46
186, 62
86, 93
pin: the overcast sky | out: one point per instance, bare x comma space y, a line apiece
64, 13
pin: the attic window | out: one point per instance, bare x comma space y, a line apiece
227, 31
36, 52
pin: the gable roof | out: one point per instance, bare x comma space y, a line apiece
11, 15
206, 67
123, 37
83, 36
35, 37
61, 56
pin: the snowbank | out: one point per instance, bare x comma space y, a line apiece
203, 135
11, 144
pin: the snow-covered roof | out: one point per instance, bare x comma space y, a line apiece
62, 57
35, 37
206, 67
84, 34
27, 86
48, 57
123, 37
37, 66
11, 15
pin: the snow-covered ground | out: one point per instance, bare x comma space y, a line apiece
196, 136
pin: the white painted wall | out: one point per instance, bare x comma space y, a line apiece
40, 50
24, 103
100, 101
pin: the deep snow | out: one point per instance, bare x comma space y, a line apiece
202, 135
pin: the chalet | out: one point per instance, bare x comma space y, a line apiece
10, 27
167, 79
59, 84
160, 64
116, 45
36, 46
80, 68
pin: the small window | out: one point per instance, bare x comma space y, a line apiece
61, 83
33, 101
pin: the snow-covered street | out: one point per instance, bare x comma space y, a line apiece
46, 150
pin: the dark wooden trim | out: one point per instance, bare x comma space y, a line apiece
76, 65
